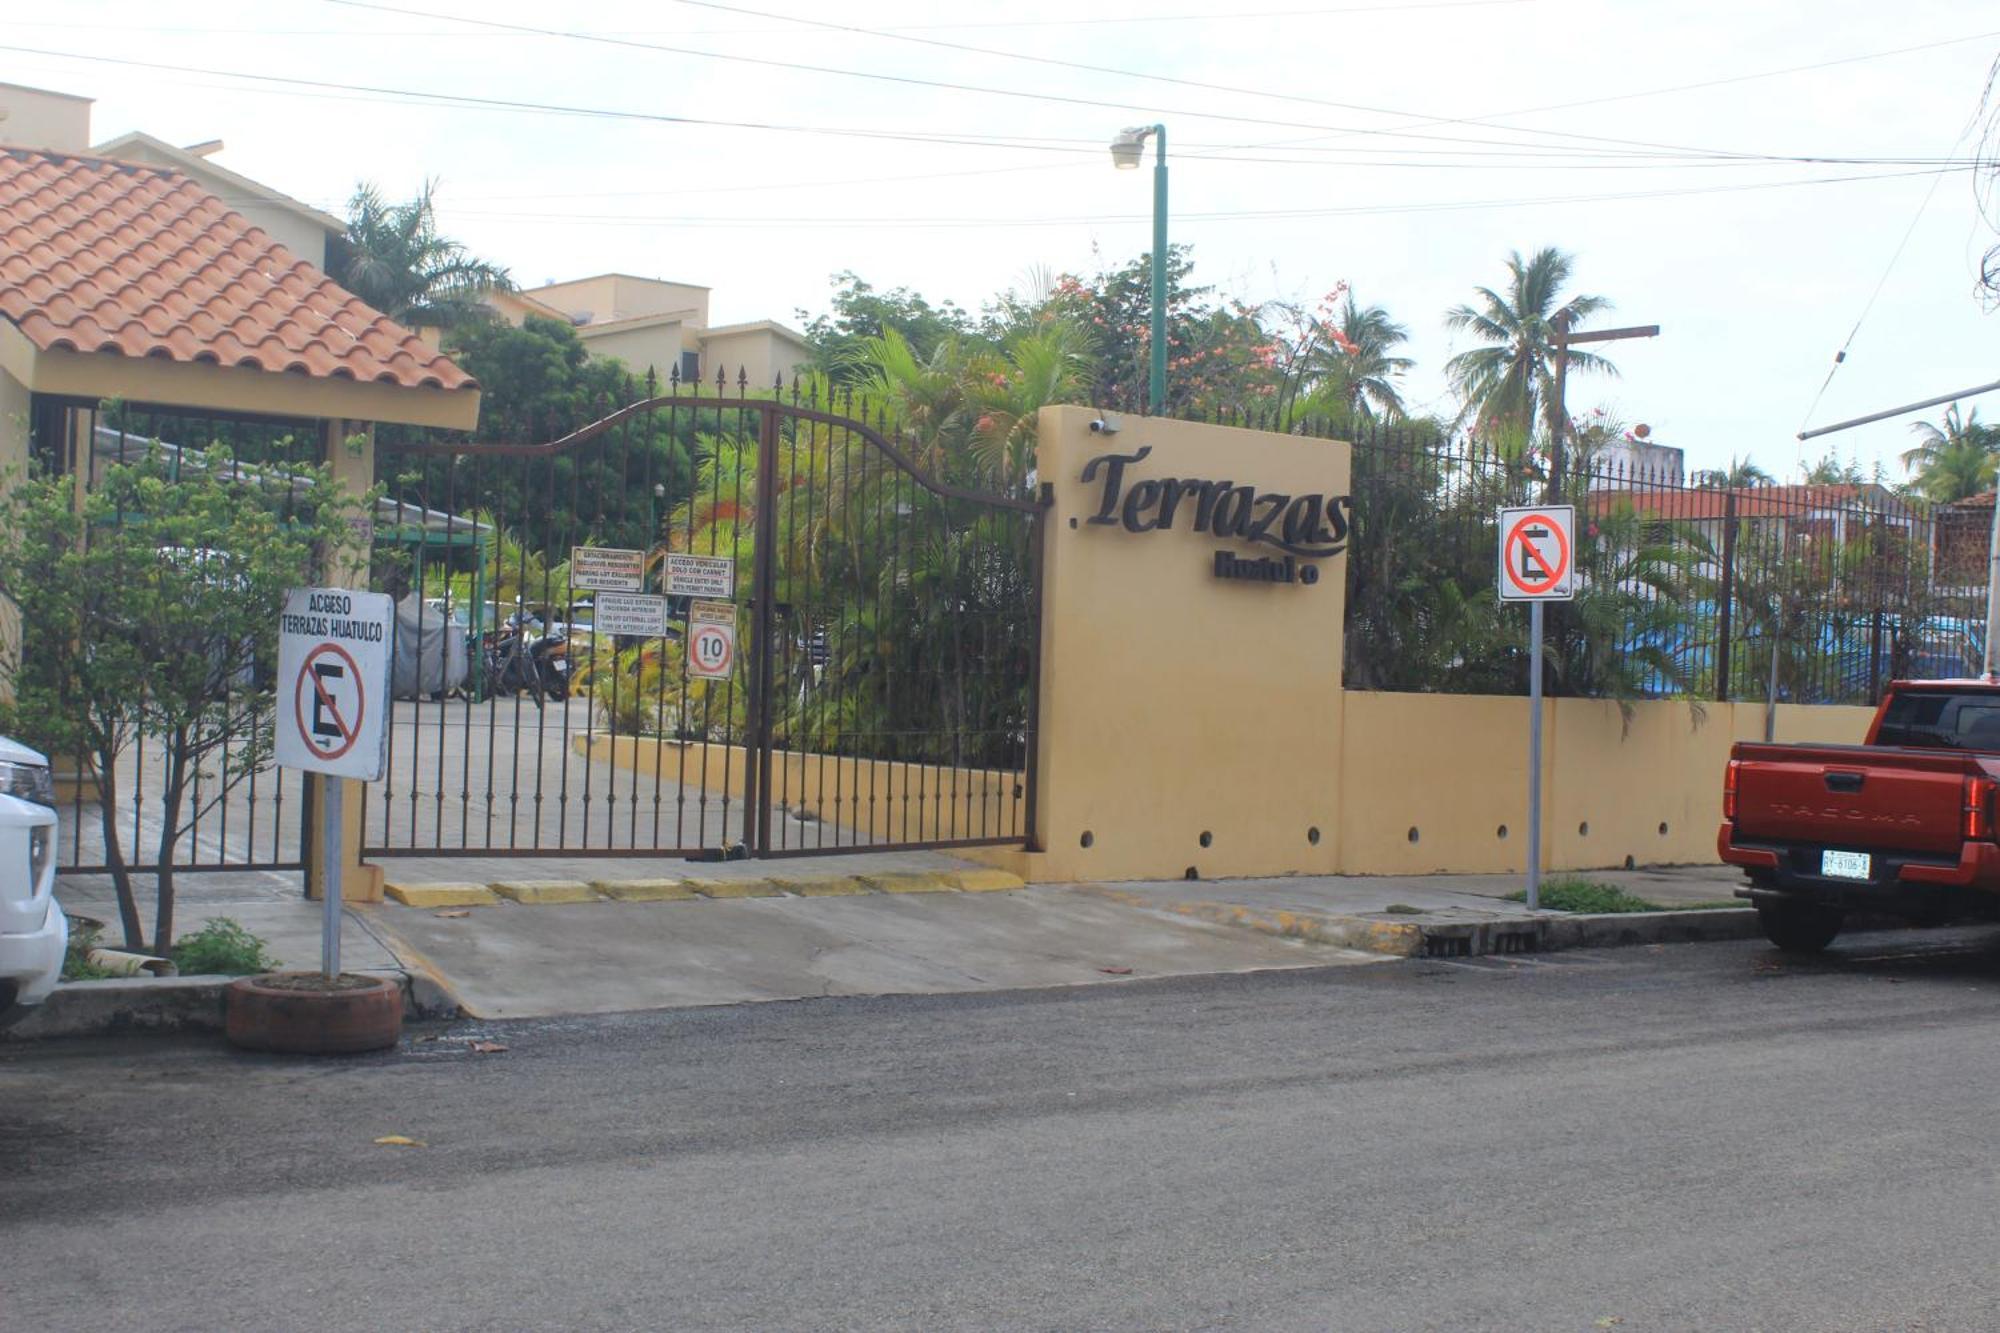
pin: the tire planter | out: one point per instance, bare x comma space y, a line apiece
283, 1012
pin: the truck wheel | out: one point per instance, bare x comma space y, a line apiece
1798, 927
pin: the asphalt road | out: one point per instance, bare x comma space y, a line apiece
1687, 1137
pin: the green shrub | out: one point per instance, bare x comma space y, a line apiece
1586, 895
222, 947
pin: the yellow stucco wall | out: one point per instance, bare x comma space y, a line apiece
1454, 768
654, 347
870, 800
1178, 703
762, 355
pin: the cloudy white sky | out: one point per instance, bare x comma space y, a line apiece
1402, 145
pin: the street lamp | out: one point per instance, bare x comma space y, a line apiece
1126, 151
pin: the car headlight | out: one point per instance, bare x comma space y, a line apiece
29, 782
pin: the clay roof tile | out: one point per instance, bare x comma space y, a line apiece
139, 261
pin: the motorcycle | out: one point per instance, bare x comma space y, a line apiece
520, 657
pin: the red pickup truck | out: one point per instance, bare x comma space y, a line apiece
1900, 825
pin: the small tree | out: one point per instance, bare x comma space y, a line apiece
152, 610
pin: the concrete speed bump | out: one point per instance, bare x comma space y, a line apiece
821, 886
735, 888
646, 890
986, 881
911, 881
543, 892
441, 895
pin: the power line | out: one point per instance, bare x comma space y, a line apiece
766, 221
1121, 20
981, 89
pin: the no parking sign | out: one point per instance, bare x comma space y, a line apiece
333, 681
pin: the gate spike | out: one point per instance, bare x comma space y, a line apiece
674, 379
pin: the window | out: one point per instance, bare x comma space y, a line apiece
1939, 720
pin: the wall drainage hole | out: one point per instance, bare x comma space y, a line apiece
1583, 829
1312, 835
1414, 835
1190, 873
1501, 833
1631, 864
1663, 830
1207, 838
1087, 838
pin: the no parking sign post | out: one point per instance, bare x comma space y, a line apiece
1537, 565
333, 712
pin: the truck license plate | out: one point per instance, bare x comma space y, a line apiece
1844, 865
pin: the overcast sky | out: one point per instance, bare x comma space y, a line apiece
1404, 146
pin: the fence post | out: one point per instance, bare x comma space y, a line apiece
1724, 618
348, 448
764, 621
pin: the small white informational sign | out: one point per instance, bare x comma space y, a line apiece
1537, 553
606, 569
701, 576
711, 650
631, 613
712, 613
333, 681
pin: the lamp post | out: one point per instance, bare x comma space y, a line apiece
1126, 151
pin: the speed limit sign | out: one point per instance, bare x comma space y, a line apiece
711, 651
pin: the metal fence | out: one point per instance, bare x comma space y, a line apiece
880, 694
1816, 593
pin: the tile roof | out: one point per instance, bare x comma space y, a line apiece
131, 260
1751, 501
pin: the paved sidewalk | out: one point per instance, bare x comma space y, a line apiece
772, 930
267, 904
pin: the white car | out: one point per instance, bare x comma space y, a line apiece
33, 931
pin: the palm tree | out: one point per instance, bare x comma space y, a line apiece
1955, 458
1509, 385
393, 258
1740, 473
1350, 366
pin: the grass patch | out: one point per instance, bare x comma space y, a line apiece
221, 948
1587, 895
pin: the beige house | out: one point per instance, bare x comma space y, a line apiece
662, 327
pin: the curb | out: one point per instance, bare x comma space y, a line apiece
441, 895
1545, 933
535, 893
125, 1005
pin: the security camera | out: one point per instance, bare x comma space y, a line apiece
1104, 426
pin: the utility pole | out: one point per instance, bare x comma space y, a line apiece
1564, 341
1991, 657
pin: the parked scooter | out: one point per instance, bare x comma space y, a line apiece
520, 657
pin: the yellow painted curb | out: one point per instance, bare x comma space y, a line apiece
911, 881
822, 886
646, 890
544, 892
441, 895
987, 881
735, 888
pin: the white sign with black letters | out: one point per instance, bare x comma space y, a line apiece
333, 681
606, 569
637, 614
701, 576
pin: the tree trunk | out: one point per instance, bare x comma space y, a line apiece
106, 781
173, 793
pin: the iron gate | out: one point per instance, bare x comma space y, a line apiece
887, 620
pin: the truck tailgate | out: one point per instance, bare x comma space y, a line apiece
1910, 800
